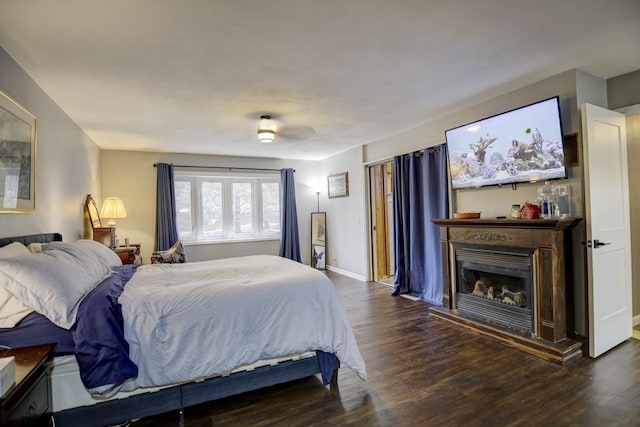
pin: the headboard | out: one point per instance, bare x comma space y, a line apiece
32, 238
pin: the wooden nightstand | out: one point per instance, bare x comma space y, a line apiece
28, 401
129, 254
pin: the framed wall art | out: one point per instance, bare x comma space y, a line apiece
338, 185
17, 157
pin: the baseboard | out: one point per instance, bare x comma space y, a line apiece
347, 273
636, 320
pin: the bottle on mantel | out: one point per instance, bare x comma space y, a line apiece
546, 200
515, 211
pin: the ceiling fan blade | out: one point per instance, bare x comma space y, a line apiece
297, 133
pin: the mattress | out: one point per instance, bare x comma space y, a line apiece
68, 391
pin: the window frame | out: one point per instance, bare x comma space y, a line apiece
228, 179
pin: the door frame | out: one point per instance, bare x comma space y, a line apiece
371, 221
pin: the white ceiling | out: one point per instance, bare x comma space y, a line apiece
193, 76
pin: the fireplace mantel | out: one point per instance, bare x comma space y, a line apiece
549, 241
558, 224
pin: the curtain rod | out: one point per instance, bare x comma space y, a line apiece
229, 168
431, 149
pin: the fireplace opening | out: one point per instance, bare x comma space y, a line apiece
496, 286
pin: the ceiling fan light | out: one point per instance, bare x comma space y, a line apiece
266, 136
266, 130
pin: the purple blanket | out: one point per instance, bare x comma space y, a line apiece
101, 349
35, 329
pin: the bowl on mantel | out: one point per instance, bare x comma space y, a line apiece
466, 215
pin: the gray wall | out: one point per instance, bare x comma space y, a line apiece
67, 162
347, 244
492, 201
624, 90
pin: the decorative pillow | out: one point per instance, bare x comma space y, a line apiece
13, 249
11, 309
35, 248
54, 282
173, 255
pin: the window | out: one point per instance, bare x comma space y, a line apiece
227, 207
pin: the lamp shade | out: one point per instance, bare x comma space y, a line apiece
266, 130
113, 208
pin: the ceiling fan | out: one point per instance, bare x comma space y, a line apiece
268, 128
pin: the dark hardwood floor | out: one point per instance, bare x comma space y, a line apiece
425, 372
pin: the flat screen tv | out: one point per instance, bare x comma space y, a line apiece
521, 145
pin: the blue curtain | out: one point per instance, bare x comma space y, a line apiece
420, 194
166, 228
289, 238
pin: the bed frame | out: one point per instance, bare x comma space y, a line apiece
32, 238
179, 396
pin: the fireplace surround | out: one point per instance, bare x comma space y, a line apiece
507, 279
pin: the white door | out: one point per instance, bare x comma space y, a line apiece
608, 229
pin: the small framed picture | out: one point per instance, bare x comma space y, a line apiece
17, 157
338, 185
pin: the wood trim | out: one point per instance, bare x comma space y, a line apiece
561, 352
381, 222
556, 224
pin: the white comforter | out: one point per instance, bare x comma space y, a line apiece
195, 320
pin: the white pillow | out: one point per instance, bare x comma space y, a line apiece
102, 253
55, 281
11, 309
13, 249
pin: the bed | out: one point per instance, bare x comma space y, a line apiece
167, 336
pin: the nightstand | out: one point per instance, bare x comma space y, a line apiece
129, 254
28, 401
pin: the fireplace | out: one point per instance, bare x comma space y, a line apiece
508, 280
496, 286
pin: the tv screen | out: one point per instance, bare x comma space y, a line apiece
521, 145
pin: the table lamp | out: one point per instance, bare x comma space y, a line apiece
112, 208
